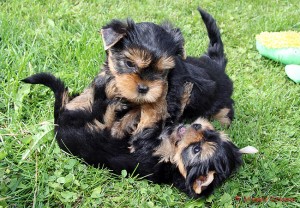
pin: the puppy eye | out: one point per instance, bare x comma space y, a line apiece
130, 64
196, 149
197, 126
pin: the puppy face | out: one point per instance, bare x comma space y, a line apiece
140, 57
204, 157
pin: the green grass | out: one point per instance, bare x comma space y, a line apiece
61, 37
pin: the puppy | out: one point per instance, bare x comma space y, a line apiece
139, 58
203, 156
194, 158
196, 86
212, 89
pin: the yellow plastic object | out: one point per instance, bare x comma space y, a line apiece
280, 46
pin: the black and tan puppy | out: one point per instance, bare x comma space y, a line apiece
139, 58
212, 89
194, 158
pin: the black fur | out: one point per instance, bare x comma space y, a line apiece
212, 87
144, 35
56, 85
99, 149
211, 92
225, 161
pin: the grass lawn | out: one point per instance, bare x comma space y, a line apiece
61, 37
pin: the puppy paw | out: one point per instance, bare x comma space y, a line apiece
122, 107
117, 131
131, 149
223, 118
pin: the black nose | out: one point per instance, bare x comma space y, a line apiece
142, 88
196, 126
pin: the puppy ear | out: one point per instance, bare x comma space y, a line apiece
113, 33
202, 182
177, 37
248, 150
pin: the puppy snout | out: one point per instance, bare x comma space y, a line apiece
196, 126
142, 88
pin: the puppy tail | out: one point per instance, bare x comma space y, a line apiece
215, 49
56, 85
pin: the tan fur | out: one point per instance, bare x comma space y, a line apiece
185, 99
83, 101
65, 98
222, 117
208, 150
109, 31
206, 125
202, 182
129, 121
111, 89
164, 63
111, 64
224, 136
95, 126
190, 136
151, 113
153, 106
127, 85
110, 115
140, 58
167, 148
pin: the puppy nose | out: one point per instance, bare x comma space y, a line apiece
196, 126
142, 88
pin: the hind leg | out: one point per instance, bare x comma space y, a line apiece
224, 116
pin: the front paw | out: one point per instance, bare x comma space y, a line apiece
116, 131
122, 107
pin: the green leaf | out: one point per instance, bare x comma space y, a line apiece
124, 173
46, 128
69, 178
210, 198
3, 154
22, 92
70, 164
225, 199
96, 192
54, 185
61, 180
50, 22
69, 196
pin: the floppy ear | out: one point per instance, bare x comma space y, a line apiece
113, 33
248, 150
202, 182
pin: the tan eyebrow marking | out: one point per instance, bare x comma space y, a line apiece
165, 63
208, 150
140, 57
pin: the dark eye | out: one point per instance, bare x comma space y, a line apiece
130, 64
197, 126
196, 149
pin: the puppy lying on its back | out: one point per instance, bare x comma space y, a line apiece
194, 158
